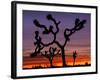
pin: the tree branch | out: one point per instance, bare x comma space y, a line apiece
49, 17
68, 32
46, 31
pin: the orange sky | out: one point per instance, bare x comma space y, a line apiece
44, 62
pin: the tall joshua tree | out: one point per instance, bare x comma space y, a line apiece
67, 33
50, 54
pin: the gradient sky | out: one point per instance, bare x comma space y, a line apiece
80, 41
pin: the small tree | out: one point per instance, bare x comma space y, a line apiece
50, 54
67, 33
74, 57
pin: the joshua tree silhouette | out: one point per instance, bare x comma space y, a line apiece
74, 57
50, 54
67, 33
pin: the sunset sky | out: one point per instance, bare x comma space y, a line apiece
80, 41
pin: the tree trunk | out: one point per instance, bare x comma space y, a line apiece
51, 63
63, 56
74, 62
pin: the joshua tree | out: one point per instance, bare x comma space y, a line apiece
67, 33
50, 54
74, 57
